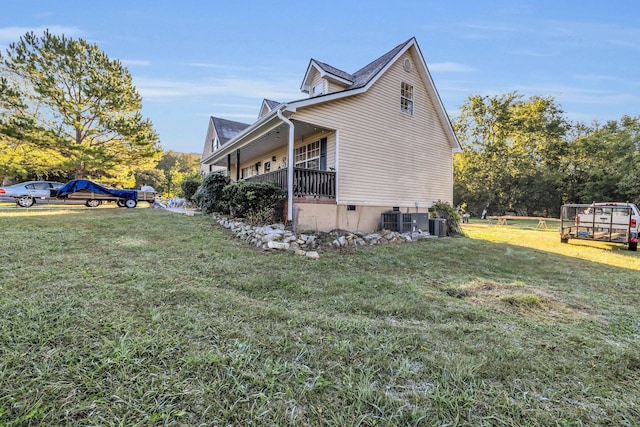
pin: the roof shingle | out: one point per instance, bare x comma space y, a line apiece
227, 129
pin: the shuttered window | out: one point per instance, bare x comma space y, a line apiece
308, 156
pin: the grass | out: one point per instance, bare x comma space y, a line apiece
143, 317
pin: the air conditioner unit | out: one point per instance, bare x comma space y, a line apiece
404, 222
438, 227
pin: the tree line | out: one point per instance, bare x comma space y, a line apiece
69, 111
524, 156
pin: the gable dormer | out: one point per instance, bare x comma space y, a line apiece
321, 79
267, 106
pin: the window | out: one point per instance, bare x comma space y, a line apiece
318, 89
38, 186
249, 171
308, 156
406, 98
215, 144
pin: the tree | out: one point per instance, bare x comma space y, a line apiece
603, 162
20, 156
152, 177
74, 105
512, 152
177, 167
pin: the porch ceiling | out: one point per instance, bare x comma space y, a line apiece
271, 140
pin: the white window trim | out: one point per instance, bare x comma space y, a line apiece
320, 85
248, 172
406, 102
302, 158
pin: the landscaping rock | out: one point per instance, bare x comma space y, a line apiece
312, 255
277, 245
277, 237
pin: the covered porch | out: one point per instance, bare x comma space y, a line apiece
266, 151
309, 183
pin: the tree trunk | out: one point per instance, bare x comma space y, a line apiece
79, 174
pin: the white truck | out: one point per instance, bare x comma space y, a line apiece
605, 222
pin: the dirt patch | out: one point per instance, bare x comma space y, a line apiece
513, 298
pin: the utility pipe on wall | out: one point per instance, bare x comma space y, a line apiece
290, 161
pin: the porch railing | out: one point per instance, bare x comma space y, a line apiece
306, 182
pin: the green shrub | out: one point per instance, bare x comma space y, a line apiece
189, 187
210, 196
442, 209
258, 202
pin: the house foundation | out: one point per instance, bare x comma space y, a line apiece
325, 217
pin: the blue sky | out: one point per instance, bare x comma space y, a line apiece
194, 59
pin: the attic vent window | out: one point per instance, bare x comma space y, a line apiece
317, 89
406, 98
407, 65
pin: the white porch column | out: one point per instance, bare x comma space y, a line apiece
290, 164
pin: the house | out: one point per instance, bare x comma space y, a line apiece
219, 132
358, 145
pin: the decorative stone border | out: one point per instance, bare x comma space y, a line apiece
277, 237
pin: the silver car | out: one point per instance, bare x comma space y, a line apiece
25, 194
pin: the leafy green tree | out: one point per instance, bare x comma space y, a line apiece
75, 107
603, 162
153, 177
176, 168
20, 156
512, 154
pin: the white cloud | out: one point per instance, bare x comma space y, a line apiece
130, 62
162, 89
448, 67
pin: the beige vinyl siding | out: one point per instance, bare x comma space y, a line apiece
211, 135
316, 79
263, 111
387, 157
335, 87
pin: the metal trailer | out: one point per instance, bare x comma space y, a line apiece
93, 199
602, 223
95, 194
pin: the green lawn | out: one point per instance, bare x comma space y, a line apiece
144, 317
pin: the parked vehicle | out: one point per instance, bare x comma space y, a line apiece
75, 192
25, 194
606, 222
91, 192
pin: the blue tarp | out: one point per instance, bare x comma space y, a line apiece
83, 184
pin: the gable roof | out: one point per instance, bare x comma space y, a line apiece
365, 77
365, 74
356, 83
267, 106
227, 129
271, 103
325, 71
352, 81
